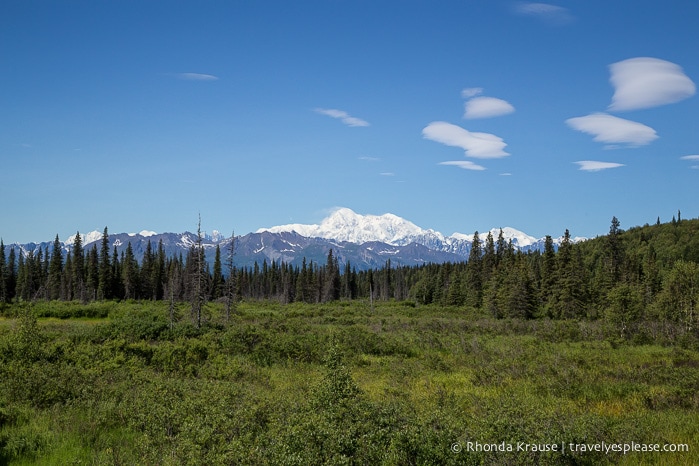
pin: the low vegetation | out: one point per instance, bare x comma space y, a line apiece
588, 354
347, 382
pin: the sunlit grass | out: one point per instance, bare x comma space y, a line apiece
426, 378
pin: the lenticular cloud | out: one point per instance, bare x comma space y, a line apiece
595, 166
477, 145
648, 82
487, 107
613, 130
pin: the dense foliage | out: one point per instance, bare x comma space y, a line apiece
337, 383
104, 360
644, 280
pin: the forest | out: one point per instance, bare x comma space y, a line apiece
643, 280
590, 348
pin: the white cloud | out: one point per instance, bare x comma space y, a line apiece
648, 82
613, 130
506, 174
551, 14
690, 157
471, 92
487, 107
341, 115
477, 145
465, 164
387, 174
594, 166
369, 159
197, 77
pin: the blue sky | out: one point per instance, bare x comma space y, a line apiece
456, 115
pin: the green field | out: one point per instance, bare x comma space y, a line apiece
339, 383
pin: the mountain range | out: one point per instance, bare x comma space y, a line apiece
365, 241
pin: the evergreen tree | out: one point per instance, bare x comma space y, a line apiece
474, 277
349, 282
92, 272
501, 247
570, 286
231, 279
117, 290
146, 275
490, 257
331, 285
78, 270
11, 280
548, 277
158, 273
614, 253
217, 278
105, 287
3, 274
22, 290
42, 276
129, 273
67, 279
651, 276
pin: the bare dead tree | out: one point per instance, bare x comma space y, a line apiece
198, 279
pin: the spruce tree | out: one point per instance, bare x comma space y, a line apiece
129, 273
331, 286
21, 287
147, 266
474, 277
92, 273
158, 272
231, 278
78, 271
3, 274
548, 278
614, 253
67, 279
217, 278
570, 283
490, 258
117, 288
11, 274
501, 246
104, 289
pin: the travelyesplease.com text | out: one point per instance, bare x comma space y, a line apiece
605, 447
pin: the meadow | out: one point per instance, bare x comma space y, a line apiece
393, 383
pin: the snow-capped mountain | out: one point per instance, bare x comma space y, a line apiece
346, 225
365, 241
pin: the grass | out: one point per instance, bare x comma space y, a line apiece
129, 390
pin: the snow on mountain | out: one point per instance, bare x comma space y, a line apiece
147, 233
86, 238
363, 240
346, 225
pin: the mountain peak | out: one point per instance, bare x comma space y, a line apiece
85, 238
344, 224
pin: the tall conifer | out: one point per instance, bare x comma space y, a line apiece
55, 270
104, 289
78, 271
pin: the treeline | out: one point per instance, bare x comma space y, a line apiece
648, 272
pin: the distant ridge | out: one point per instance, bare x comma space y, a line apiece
365, 241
